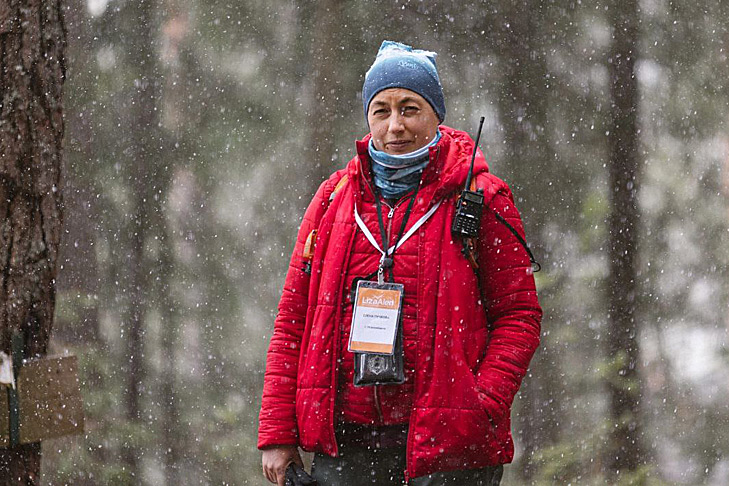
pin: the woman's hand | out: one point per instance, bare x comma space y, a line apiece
275, 461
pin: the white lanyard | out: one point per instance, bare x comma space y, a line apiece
404, 238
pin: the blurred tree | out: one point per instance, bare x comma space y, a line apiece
79, 280
324, 113
516, 35
32, 73
173, 440
173, 434
625, 454
146, 174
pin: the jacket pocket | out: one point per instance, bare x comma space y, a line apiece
499, 419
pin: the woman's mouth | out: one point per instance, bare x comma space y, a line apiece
398, 144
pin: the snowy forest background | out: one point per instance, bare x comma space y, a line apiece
197, 131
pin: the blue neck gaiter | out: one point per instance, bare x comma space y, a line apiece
396, 175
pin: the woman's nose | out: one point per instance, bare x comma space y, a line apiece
396, 122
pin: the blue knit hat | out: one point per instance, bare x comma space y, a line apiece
400, 66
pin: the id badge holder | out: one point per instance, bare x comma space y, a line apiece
376, 334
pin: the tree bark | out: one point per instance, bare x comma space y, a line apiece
32, 73
625, 452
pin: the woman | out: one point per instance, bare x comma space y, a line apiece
465, 332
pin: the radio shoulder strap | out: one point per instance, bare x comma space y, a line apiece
536, 266
472, 254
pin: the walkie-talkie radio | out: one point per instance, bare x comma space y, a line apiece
469, 207
467, 220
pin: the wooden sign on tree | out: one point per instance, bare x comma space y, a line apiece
49, 401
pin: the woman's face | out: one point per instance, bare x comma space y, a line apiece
401, 121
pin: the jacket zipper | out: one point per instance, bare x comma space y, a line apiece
389, 227
378, 407
390, 214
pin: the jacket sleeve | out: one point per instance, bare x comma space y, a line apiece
277, 419
510, 300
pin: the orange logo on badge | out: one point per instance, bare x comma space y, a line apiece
378, 298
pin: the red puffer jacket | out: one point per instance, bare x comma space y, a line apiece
466, 357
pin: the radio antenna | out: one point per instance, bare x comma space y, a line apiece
473, 156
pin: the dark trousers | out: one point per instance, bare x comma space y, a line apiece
383, 467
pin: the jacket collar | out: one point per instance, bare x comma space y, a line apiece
445, 174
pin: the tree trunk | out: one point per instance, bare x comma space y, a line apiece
625, 452
32, 72
326, 90
173, 438
144, 163
523, 106
172, 433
